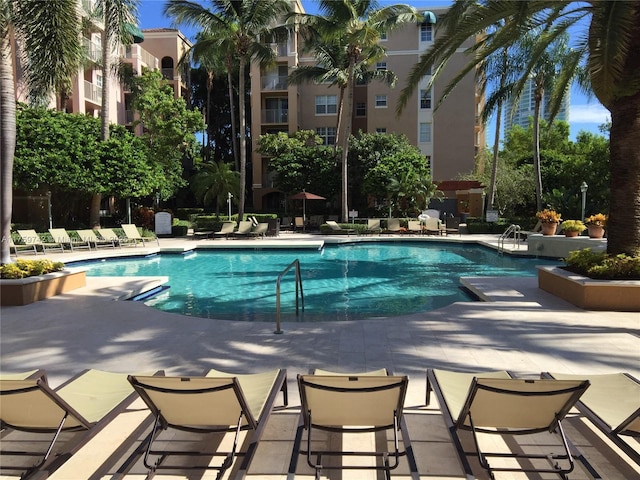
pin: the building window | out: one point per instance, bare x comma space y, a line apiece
383, 36
361, 109
99, 81
425, 98
426, 32
381, 101
381, 66
425, 133
326, 104
328, 135
381, 130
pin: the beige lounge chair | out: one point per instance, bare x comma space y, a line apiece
17, 248
373, 225
215, 402
226, 230
131, 231
612, 403
244, 228
432, 225
30, 237
110, 234
298, 223
61, 236
393, 226
413, 226
91, 237
338, 229
259, 230
353, 404
496, 403
84, 404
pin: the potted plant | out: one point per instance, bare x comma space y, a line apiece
595, 224
572, 228
549, 220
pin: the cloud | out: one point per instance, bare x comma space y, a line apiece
589, 113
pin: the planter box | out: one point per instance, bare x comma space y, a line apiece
584, 292
28, 290
559, 246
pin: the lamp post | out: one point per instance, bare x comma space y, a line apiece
583, 190
229, 197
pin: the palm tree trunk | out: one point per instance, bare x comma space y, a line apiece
496, 150
7, 143
339, 120
345, 143
243, 140
232, 110
623, 224
536, 150
207, 115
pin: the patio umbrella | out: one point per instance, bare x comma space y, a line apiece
304, 196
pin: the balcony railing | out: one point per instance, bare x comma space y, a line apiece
94, 51
129, 117
274, 83
280, 49
272, 115
136, 51
168, 73
92, 92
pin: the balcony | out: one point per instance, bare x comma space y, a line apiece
136, 51
93, 50
92, 92
168, 73
280, 49
129, 117
275, 116
274, 83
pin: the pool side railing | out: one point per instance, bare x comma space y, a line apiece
299, 291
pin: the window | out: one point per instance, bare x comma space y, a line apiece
326, 104
383, 36
99, 81
381, 101
426, 32
425, 133
425, 98
328, 135
381, 66
381, 130
361, 109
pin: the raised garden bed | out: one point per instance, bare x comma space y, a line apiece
24, 291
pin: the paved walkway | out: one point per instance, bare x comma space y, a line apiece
522, 329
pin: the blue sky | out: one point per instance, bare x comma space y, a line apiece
584, 114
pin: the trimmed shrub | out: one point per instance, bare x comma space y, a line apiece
29, 268
600, 265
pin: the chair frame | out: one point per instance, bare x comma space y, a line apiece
306, 423
612, 432
256, 425
454, 424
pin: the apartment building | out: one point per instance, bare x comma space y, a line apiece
520, 113
449, 138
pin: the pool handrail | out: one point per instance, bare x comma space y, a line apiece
296, 264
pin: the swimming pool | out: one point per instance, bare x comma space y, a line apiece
344, 282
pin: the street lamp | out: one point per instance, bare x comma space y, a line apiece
583, 190
229, 197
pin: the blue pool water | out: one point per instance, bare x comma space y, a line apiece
346, 282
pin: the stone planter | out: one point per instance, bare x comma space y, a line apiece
28, 290
549, 228
595, 231
571, 234
589, 294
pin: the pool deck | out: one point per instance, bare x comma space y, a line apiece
518, 327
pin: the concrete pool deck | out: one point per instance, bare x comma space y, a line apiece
522, 329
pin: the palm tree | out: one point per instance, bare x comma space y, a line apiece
51, 42
608, 40
214, 182
357, 26
245, 24
116, 16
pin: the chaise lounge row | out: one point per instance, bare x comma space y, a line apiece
96, 238
488, 402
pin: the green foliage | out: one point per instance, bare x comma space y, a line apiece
180, 230
601, 265
573, 226
189, 214
301, 162
213, 183
29, 268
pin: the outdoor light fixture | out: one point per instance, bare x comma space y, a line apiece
583, 189
229, 202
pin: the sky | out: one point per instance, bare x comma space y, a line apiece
584, 114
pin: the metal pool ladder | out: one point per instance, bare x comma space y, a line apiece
296, 264
513, 229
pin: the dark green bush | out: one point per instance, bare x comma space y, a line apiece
600, 265
188, 213
179, 230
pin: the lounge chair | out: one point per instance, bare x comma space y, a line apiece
60, 235
30, 237
432, 225
452, 225
215, 402
17, 247
298, 223
109, 234
373, 226
413, 226
612, 403
85, 404
244, 228
91, 237
393, 226
226, 230
335, 228
131, 231
259, 230
353, 404
496, 403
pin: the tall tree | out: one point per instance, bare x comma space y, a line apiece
245, 24
117, 16
214, 182
357, 26
608, 39
52, 49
